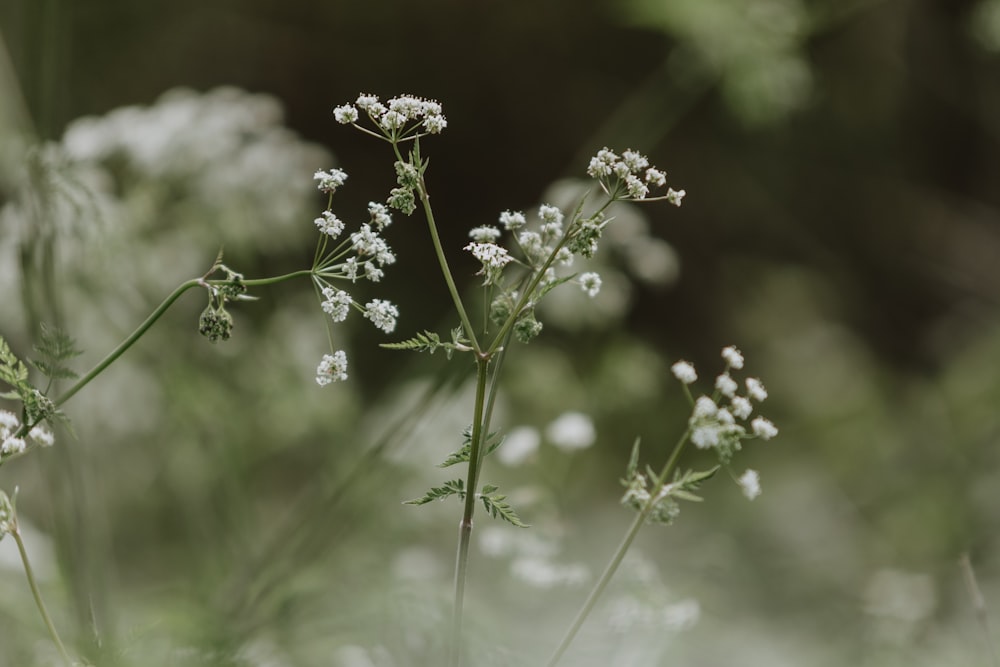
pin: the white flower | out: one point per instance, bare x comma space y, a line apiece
705, 407
763, 428
564, 256
333, 368
329, 181
675, 196
365, 101
350, 268
636, 162
42, 436
13, 446
636, 188
337, 304
656, 177
345, 114
733, 357
9, 423
741, 407
726, 385
435, 124
392, 120
750, 484
684, 372
380, 215
549, 213
372, 272
705, 436
329, 224
590, 282
520, 443
571, 430
491, 255
484, 234
512, 220
756, 390
382, 314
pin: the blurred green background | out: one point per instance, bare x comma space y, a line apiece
842, 227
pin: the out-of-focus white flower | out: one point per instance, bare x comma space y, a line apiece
571, 430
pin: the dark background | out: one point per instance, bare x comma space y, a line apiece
842, 226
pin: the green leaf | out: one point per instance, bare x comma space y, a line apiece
498, 507
56, 347
633, 461
548, 287
462, 455
686, 495
450, 488
12, 370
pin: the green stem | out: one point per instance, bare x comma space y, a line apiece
425, 200
465, 526
537, 278
623, 547
128, 342
29, 573
157, 314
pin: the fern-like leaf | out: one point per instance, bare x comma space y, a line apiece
428, 341
12, 370
498, 507
56, 347
453, 487
462, 455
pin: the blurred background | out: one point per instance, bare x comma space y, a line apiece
215, 507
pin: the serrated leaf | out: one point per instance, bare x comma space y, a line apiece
498, 507
12, 370
427, 341
462, 455
450, 488
56, 347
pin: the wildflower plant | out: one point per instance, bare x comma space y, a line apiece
522, 258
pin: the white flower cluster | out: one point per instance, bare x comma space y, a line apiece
400, 117
493, 258
715, 422
10, 444
333, 368
362, 254
629, 176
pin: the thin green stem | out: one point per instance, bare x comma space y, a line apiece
619, 555
33, 584
537, 278
151, 320
128, 342
425, 201
465, 526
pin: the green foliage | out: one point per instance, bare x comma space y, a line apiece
451, 488
55, 347
498, 507
644, 493
13, 372
428, 341
462, 455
